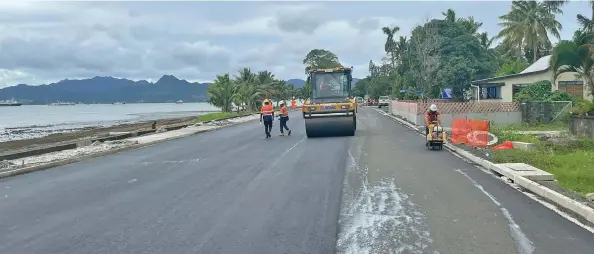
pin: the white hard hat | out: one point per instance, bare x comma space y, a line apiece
433, 107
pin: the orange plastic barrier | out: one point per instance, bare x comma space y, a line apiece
507, 145
473, 133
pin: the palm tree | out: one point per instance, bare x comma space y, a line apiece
401, 47
245, 76
470, 25
264, 80
222, 93
249, 95
390, 46
485, 41
575, 56
528, 25
555, 6
587, 23
305, 91
281, 90
450, 15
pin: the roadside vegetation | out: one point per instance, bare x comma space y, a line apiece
569, 160
218, 115
447, 52
450, 52
246, 90
508, 128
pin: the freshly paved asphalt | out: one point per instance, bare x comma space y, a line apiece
232, 191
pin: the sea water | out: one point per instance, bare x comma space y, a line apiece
32, 121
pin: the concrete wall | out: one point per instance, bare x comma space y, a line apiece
504, 118
407, 110
500, 113
582, 126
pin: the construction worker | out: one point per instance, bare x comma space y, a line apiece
284, 118
267, 114
432, 115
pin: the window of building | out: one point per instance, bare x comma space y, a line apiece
574, 88
491, 92
516, 88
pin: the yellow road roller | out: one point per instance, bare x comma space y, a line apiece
331, 110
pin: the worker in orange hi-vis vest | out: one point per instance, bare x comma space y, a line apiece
267, 114
293, 103
284, 118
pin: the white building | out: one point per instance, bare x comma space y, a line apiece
504, 88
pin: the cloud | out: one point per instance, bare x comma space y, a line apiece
43, 42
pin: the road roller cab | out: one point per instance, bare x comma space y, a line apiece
331, 109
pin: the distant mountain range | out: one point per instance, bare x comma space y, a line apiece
109, 90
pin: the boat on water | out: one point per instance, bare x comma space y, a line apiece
61, 103
12, 102
179, 102
118, 103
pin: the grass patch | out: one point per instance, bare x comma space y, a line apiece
218, 115
531, 127
571, 161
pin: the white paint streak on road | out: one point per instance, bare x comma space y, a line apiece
169, 162
524, 245
380, 219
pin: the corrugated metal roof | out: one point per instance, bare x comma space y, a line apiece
540, 65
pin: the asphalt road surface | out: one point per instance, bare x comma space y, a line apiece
233, 191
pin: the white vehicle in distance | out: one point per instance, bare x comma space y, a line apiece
360, 101
383, 101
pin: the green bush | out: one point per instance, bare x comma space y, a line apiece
560, 96
582, 106
541, 91
216, 116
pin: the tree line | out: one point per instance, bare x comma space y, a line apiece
450, 52
446, 52
247, 89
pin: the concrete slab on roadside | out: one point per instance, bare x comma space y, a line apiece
244, 119
528, 171
542, 133
523, 145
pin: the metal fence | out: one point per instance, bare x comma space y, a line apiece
546, 112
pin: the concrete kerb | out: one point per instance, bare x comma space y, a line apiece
21, 171
557, 198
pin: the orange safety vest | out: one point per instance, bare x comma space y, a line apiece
293, 104
284, 111
431, 116
267, 110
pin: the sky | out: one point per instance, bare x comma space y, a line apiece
43, 42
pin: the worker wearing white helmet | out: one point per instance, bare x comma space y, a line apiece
432, 115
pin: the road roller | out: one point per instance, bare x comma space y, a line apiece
331, 110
